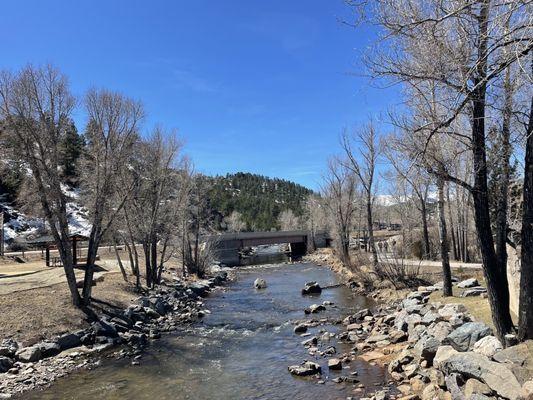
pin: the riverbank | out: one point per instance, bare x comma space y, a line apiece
435, 347
34, 352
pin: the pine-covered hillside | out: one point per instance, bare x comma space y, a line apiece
258, 198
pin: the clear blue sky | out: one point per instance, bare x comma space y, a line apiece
258, 86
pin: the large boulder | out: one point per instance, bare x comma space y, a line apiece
260, 283
488, 346
68, 341
305, 369
29, 354
519, 359
464, 337
495, 375
49, 349
468, 283
311, 288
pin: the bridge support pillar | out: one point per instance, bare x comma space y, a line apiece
298, 248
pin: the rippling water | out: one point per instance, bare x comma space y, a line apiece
240, 351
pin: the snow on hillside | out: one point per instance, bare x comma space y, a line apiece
20, 226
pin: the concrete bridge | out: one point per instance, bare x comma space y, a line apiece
227, 246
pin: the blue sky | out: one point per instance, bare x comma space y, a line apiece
258, 86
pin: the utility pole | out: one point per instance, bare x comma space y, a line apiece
1, 233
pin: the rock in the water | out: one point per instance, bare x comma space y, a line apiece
300, 328
315, 308
464, 337
497, 376
468, 283
334, 363
305, 369
260, 283
488, 346
312, 288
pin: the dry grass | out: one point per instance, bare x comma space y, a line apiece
32, 315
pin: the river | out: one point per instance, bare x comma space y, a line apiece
239, 351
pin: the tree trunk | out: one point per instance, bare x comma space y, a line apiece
370, 222
153, 244
147, 260
122, 270
452, 226
497, 287
525, 311
92, 251
503, 183
425, 232
443, 237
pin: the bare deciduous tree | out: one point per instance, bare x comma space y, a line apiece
111, 135
339, 193
363, 164
37, 105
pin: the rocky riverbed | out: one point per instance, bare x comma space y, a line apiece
37, 365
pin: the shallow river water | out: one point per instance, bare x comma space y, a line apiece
239, 351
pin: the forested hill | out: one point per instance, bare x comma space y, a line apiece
258, 198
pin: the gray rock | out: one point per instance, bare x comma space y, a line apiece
29, 354
440, 330
68, 341
311, 288
464, 337
260, 283
449, 310
381, 395
430, 317
426, 348
473, 386
8, 348
305, 369
376, 338
472, 365
300, 328
104, 328
315, 308
473, 292
49, 349
334, 364
468, 283
488, 346
5, 364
